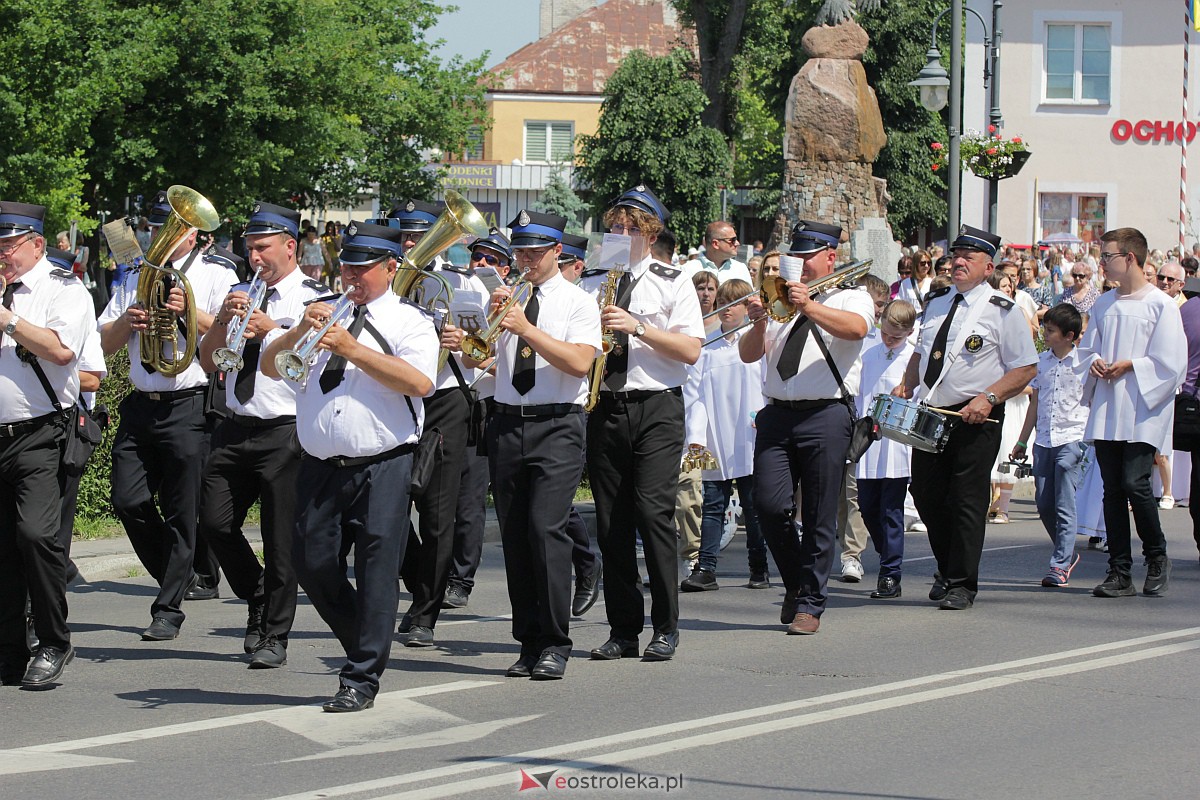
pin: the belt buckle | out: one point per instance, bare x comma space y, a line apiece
525, 415
155, 396
8, 430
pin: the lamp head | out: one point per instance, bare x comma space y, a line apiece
933, 82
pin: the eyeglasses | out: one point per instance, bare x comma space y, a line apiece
1166, 279
622, 230
9, 249
904, 273
726, 239
531, 253
1107, 257
924, 263
488, 258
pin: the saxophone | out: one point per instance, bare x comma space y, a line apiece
608, 340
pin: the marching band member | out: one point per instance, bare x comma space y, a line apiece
804, 430
45, 320
255, 454
161, 441
358, 419
974, 352
635, 433
535, 441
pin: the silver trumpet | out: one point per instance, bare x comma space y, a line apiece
294, 364
229, 357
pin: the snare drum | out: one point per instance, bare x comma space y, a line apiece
910, 422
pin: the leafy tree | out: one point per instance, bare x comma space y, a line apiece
650, 132
559, 198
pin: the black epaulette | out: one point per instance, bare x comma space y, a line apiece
1003, 302
65, 274
938, 293
591, 273
663, 271
317, 286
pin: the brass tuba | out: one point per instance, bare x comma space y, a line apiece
190, 211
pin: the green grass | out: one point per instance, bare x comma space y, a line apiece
92, 528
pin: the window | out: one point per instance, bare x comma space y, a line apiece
549, 142
1078, 63
1083, 215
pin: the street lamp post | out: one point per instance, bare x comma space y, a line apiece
936, 88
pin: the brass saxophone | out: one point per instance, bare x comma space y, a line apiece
608, 340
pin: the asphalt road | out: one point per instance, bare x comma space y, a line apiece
1032, 693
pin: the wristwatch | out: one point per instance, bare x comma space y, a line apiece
11, 327
991, 397
640, 330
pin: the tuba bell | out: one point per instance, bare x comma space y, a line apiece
160, 343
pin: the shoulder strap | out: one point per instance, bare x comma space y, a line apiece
462, 383
837, 374
41, 375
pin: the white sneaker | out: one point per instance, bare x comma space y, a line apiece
852, 570
1166, 502
919, 527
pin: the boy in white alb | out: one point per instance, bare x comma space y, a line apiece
1058, 451
1134, 349
883, 471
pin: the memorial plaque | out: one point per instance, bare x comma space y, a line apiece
875, 241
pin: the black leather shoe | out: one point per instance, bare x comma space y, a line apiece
1158, 574
254, 626
616, 648
701, 580
661, 647
270, 653
160, 630
886, 589
199, 591
787, 612
523, 667
47, 665
419, 636
957, 599
550, 667
455, 596
347, 699
587, 590
32, 643
759, 579
939, 589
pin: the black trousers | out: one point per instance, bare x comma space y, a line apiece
66, 521
205, 567
952, 490
536, 467
248, 464
633, 453
363, 509
426, 566
469, 520
159, 451
807, 448
1125, 468
32, 562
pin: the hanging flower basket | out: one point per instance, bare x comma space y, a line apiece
985, 155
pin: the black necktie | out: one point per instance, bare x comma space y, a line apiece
243, 385
8, 300
335, 368
617, 362
789, 360
523, 374
937, 356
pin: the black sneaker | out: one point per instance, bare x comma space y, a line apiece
254, 626
759, 579
701, 580
1158, 574
1115, 585
455, 597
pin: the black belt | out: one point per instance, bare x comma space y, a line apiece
547, 410
359, 461
171, 397
258, 422
804, 405
637, 395
13, 429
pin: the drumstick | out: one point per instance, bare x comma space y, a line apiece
957, 413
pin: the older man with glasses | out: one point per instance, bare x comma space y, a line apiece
1170, 280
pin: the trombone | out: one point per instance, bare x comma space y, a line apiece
774, 295
229, 357
295, 364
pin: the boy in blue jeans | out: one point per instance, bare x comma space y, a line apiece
1058, 449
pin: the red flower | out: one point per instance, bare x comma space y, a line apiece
991, 151
1016, 140
936, 145
935, 167
991, 128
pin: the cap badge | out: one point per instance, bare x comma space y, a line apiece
962, 231
352, 229
523, 219
641, 187
411, 207
257, 208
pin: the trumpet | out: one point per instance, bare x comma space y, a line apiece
229, 357
608, 340
481, 346
295, 364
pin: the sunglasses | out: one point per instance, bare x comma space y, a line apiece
726, 239
1165, 279
1080, 276
904, 273
488, 258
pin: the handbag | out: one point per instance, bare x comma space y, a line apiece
1187, 422
426, 457
82, 432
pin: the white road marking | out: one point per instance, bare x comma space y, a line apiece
437, 738
16, 762
986, 550
670, 730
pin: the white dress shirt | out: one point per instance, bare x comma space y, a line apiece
210, 282
91, 359
1145, 328
273, 398
695, 415
662, 298
46, 297
914, 294
361, 416
814, 380
882, 371
1061, 417
731, 391
989, 336
568, 314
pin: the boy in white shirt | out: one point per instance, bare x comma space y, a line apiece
1058, 450
883, 471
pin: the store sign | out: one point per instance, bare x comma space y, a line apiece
1145, 130
469, 176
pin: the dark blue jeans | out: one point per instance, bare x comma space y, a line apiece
881, 501
1057, 472
712, 524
